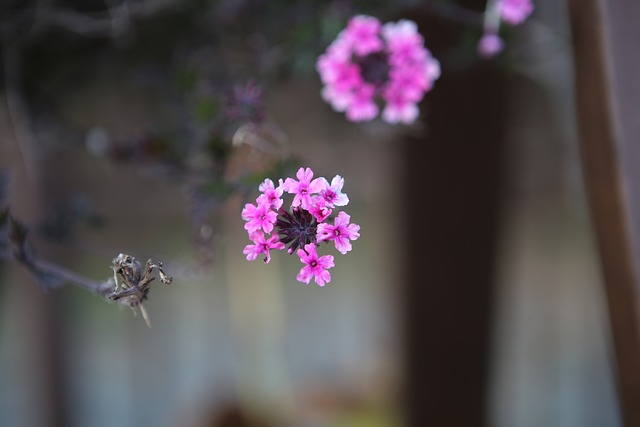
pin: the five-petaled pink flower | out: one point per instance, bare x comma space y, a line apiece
362, 34
303, 188
262, 246
258, 217
271, 194
370, 64
341, 232
316, 267
319, 208
332, 193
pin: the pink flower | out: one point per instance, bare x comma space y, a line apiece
340, 232
362, 106
262, 246
370, 62
303, 188
271, 195
339, 100
332, 193
515, 12
320, 209
404, 41
362, 33
399, 109
258, 217
490, 45
403, 31
332, 64
316, 267
407, 83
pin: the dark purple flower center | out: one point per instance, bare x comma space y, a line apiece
297, 228
374, 68
329, 195
313, 263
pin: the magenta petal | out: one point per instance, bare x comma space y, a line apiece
305, 275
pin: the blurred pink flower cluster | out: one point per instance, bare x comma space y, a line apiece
511, 12
303, 226
515, 12
369, 62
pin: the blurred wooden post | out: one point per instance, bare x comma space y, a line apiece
607, 69
452, 192
40, 322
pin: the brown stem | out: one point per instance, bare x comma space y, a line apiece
36, 265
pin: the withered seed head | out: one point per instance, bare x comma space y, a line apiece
135, 281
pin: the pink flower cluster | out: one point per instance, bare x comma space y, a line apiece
369, 61
303, 226
512, 12
515, 12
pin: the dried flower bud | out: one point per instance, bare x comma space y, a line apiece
135, 281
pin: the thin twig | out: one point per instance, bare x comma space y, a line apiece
36, 265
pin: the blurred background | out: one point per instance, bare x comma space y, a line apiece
143, 127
